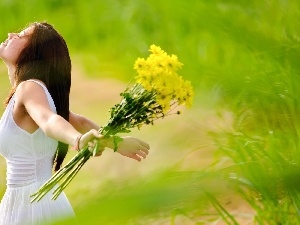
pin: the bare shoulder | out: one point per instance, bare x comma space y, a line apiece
28, 91
28, 87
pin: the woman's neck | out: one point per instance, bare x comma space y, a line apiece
11, 73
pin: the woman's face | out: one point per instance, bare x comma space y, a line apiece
11, 48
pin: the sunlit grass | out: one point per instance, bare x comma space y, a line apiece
242, 133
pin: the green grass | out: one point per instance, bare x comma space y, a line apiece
242, 133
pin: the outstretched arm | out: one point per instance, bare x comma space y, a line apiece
130, 147
31, 99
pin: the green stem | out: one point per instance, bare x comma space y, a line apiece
71, 176
59, 175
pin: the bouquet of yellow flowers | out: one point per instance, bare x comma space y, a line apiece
156, 93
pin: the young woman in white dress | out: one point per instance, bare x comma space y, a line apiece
37, 126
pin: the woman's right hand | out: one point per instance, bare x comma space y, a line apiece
133, 148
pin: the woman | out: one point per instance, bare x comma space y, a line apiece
37, 126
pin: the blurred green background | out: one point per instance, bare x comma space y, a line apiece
231, 159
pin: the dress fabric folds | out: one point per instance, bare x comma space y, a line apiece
29, 159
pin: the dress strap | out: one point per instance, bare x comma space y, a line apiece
40, 83
49, 97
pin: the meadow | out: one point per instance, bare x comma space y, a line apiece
233, 158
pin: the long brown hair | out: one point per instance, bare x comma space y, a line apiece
46, 58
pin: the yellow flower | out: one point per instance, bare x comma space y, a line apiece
174, 64
156, 50
158, 73
140, 64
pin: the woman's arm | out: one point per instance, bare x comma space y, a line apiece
81, 123
130, 147
32, 98
35, 102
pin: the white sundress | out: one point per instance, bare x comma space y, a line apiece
29, 159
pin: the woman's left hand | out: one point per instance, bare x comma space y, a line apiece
91, 139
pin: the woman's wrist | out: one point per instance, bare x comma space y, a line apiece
112, 142
77, 143
108, 142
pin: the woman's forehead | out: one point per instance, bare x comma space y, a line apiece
27, 31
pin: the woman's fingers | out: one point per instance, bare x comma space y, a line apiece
135, 156
142, 154
145, 151
93, 144
144, 144
88, 137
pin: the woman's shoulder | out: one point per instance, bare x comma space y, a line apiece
30, 86
33, 91
34, 82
